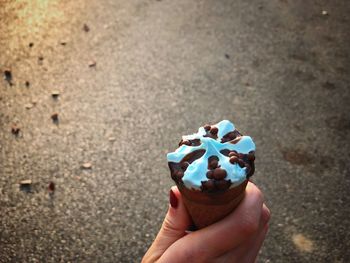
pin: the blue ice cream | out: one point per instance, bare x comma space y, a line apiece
215, 158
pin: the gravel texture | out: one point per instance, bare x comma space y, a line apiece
131, 78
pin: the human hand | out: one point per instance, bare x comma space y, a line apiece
236, 238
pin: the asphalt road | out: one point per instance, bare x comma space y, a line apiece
136, 77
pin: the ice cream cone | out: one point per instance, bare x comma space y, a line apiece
211, 169
208, 208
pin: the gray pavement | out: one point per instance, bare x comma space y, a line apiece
278, 69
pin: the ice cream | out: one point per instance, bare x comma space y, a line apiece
211, 169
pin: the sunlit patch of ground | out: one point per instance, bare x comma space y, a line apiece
303, 243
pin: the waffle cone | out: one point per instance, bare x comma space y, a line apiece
208, 208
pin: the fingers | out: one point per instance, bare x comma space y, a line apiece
247, 252
238, 236
254, 245
253, 249
176, 222
232, 230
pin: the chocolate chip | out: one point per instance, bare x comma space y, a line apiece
207, 127
213, 164
214, 130
241, 163
210, 174
251, 156
208, 185
219, 174
179, 174
222, 185
234, 159
233, 153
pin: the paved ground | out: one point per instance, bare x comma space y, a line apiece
278, 69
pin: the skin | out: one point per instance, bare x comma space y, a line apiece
236, 238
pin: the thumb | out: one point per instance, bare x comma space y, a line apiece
176, 222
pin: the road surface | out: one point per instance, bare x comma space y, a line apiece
130, 78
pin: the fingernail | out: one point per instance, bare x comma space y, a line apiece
172, 199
